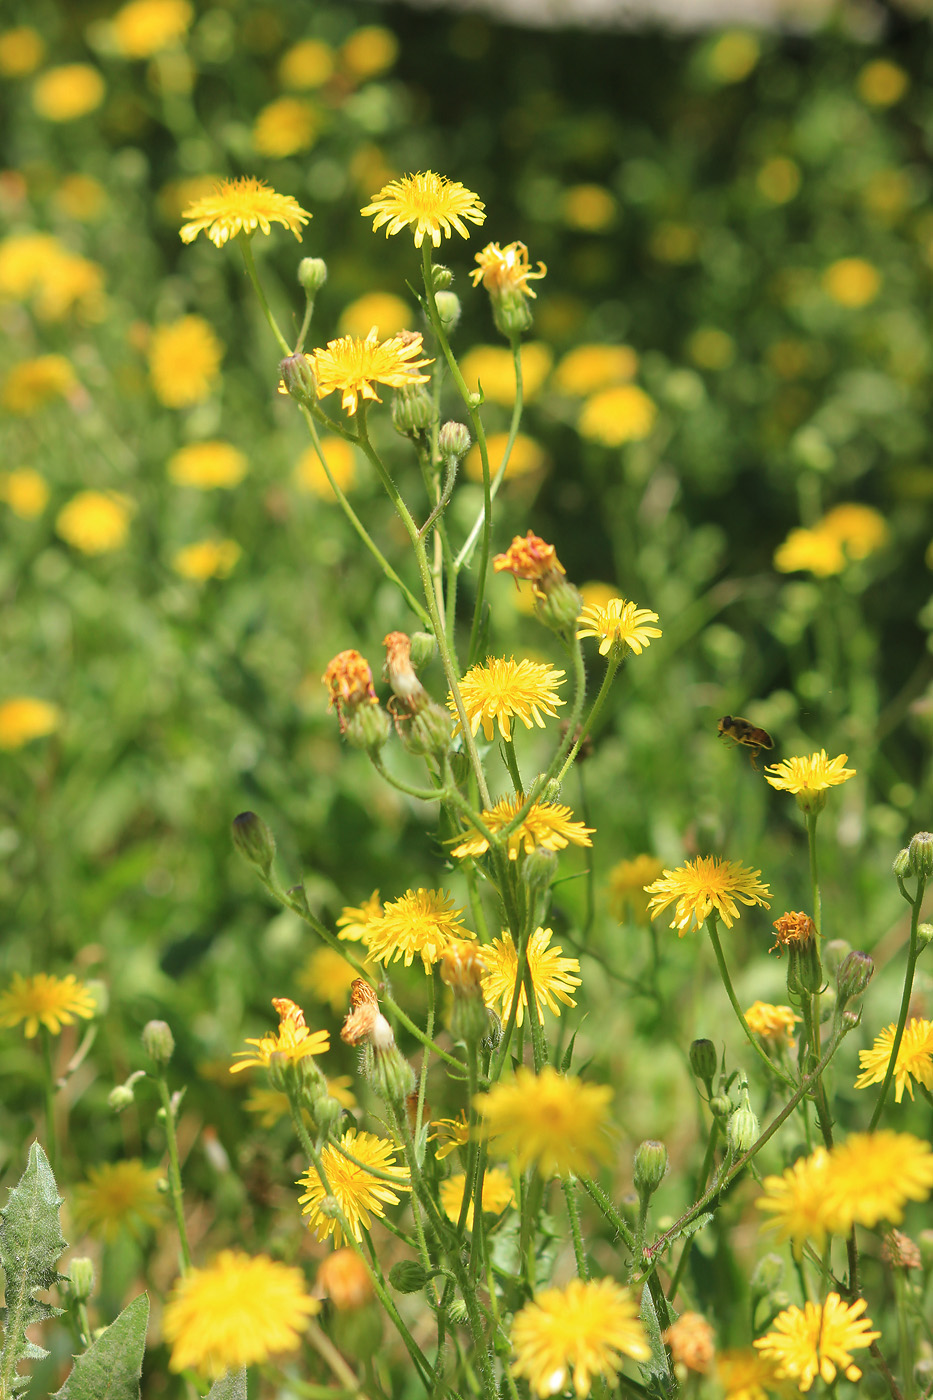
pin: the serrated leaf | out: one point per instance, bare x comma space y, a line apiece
658, 1368
112, 1365
231, 1386
30, 1245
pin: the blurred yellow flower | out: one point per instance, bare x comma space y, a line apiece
431, 202
24, 718
284, 127
527, 456
859, 529
552, 1121
588, 368
21, 51
498, 1194
493, 367
207, 559
369, 51
340, 457
672, 242
887, 194
798, 1203
618, 415
95, 522
771, 1022
33, 383
44, 1000
572, 1336
240, 206
307, 64
881, 83
207, 465
118, 1196
710, 348
852, 282
184, 361
814, 550
24, 491
627, 881
733, 56
328, 977
381, 309
70, 283
745, 1375
778, 180
66, 93
23, 260
146, 27
589, 208
596, 594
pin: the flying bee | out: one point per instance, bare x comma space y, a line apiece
742, 731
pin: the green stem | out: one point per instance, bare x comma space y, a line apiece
811, 819
607, 1209
48, 1089
499, 477
730, 991
174, 1168
568, 1186
912, 956
247, 251
587, 726
702, 1178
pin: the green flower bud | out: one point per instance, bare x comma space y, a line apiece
804, 970
457, 1312
312, 274
539, 870
925, 1245
650, 1167
924, 934
835, 952
742, 1130
720, 1106
408, 1276
81, 1278
853, 977
809, 801
511, 313
561, 609
368, 727
412, 410
703, 1061
441, 277
158, 1041
448, 309
358, 1333
453, 440
902, 863
920, 854
254, 841
428, 732
120, 1097
298, 378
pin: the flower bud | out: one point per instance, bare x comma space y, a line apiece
312, 274
457, 1312
158, 1041
560, 609
412, 410
441, 277
854, 975
703, 1061
804, 970
368, 728
902, 863
511, 314
720, 1106
539, 870
743, 1129
448, 309
408, 1276
650, 1167
429, 732
920, 854
453, 440
120, 1097
81, 1278
297, 373
924, 934
811, 800
254, 841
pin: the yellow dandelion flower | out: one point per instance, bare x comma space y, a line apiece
237, 1311
381, 309
81, 197
771, 1022
24, 491
241, 206
815, 551
66, 93
873, 1175
798, 1204
744, 1374
184, 361
119, 1196
431, 202
503, 688
576, 1334
547, 826
552, 976
146, 27
32, 384
859, 529
506, 270
733, 56
95, 522
356, 922
809, 776
292, 1041
881, 83
614, 416
345, 1280
307, 64
627, 882
369, 51
591, 208
818, 1340
341, 459
207, 466
207, 559
551, 1121
285, 127
451, 1133
703, 885
328, 977
596, 594
24, 718
778, 180
525, 458
852, 282
618, 625
45, 1000
358, 1191
21, 51
70, 284
691, 1343
914, 1057
24, 258
588, 368
353, 366
422, 922
491, 368
498, 1195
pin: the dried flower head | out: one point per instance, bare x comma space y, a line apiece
533, 559
506, 270
792, 930
691, 1343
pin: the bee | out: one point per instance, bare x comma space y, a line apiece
742, 731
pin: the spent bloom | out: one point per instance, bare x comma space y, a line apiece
619, 625
503, 688
703, 885
353, 366
423, 923
690, 1342
574, 1334
552, 976
345, 1280
546, 826
532, 558
818, 1340
792, 930
771, 1022
24, 718
118, 1196
45, 1000
241, 206
293, 1040
914, 1058
237, 1311
552, 1121
358, 1192
432, 203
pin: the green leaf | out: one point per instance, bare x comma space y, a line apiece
30, 1245
111, 1367
231, 1386
656, 1371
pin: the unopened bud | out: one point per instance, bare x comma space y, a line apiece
429, 733
560, 609
120, 1097
441, 277
158, 1041
81, 1278
924, 934
368, 727
412, 410
408, 1276
511, 313
650, 1167
920, 854
312, 274
854, 975
254, 841
804, 970
298, 378
453, 440
539, 869
703, 1061
448, 309
743, 1130
902, 863
720, 1106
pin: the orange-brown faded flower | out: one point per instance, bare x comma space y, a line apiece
44, 1000
357, 1190
771, 1022
546, 825
552, 976
690, 1342
364, 1020
503, 688
810, 774
533, 559
504, 270
423, 923
576, 1334
914, 1058
451, 1134
431, 202
552, 1121
619, 625
703, 885
350, 681
792, 930
900, 1252
345, 1280
293, 1040
353, 366
818, 1341
241, 206
355, 922
400, 673
498, 1194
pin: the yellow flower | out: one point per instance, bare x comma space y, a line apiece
272, 1105
703, 885
241, 206
619, 625
546, 826
498, 1195
207, 465
340, 456
814, 550
873, 1175
356, 923
504, 270
914, 1058
589, 368
422, 922
24, 718
328, 977
353, 366
798, 1204
818, 1341
21, 51
24, 491
548, 1120
45, 1000
292, 1041
527, 456
596, 594
581, 1331
778, 180
95, 522
33, 383
504, 688
492, 369
618, 415
627, 882
552, 976
451, 1134
184, 361
369, 51
733, 56
238, 1311
588, 207
358, 1191
852, 282
285, 127
690, 1342
146, 27
881, 83
431, 202
859, 529
771, 1022
307, 64
809, 775
66, 93
711, 348
24, 258
118, 1196
207, 559
69, 283
375, 309
747, 1375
